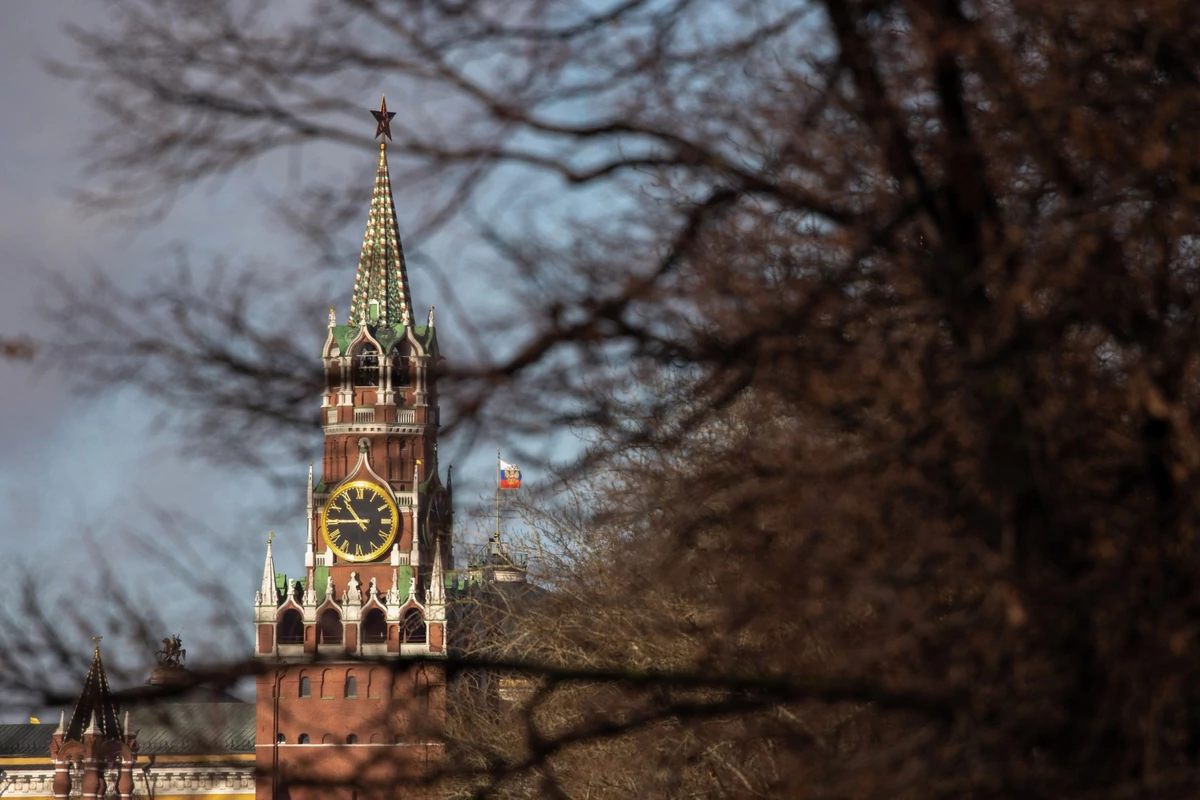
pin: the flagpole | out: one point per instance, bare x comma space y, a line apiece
497, 536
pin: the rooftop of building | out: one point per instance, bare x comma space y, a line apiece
173, 728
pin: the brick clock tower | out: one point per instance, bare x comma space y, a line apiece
353, 706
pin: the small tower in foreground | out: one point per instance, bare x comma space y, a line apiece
93, 744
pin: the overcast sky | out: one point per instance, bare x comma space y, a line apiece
77, 468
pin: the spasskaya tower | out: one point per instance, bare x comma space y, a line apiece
353, 706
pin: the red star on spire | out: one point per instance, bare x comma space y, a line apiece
384, 119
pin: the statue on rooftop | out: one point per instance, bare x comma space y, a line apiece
172, 653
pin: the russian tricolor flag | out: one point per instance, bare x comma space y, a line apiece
510, 476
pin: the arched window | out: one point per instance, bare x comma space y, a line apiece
377, 683
291, 627
413, 627
374, 627
333, 379
331, 627
305, 686
280, 738
351, 686
366, 366
303, 738
352, 739
400, 370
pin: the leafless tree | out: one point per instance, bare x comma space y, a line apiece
885, 317
17, 348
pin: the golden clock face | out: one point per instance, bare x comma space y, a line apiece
360, 521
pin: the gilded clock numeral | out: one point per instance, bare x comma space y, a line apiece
383, 507
359, 491
358, 550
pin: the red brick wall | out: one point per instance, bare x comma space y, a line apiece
341, 453
400, 700
381, 571
266, 635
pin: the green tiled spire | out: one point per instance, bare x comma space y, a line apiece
382, 276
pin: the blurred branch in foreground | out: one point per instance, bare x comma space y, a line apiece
18, 349
880, 322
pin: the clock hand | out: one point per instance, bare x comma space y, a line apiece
362, 523
354, 514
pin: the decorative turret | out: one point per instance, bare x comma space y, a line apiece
435, 595
94, 741
414, 553
267, 594
95, 708
393, 596
310, 573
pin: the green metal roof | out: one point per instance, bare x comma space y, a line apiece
320, 581
165, 729
194, 728
404, 579
26, 739
386, 335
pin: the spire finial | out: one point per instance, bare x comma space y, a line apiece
382, 276
383, 119
435, 595
267, 594
309, 537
